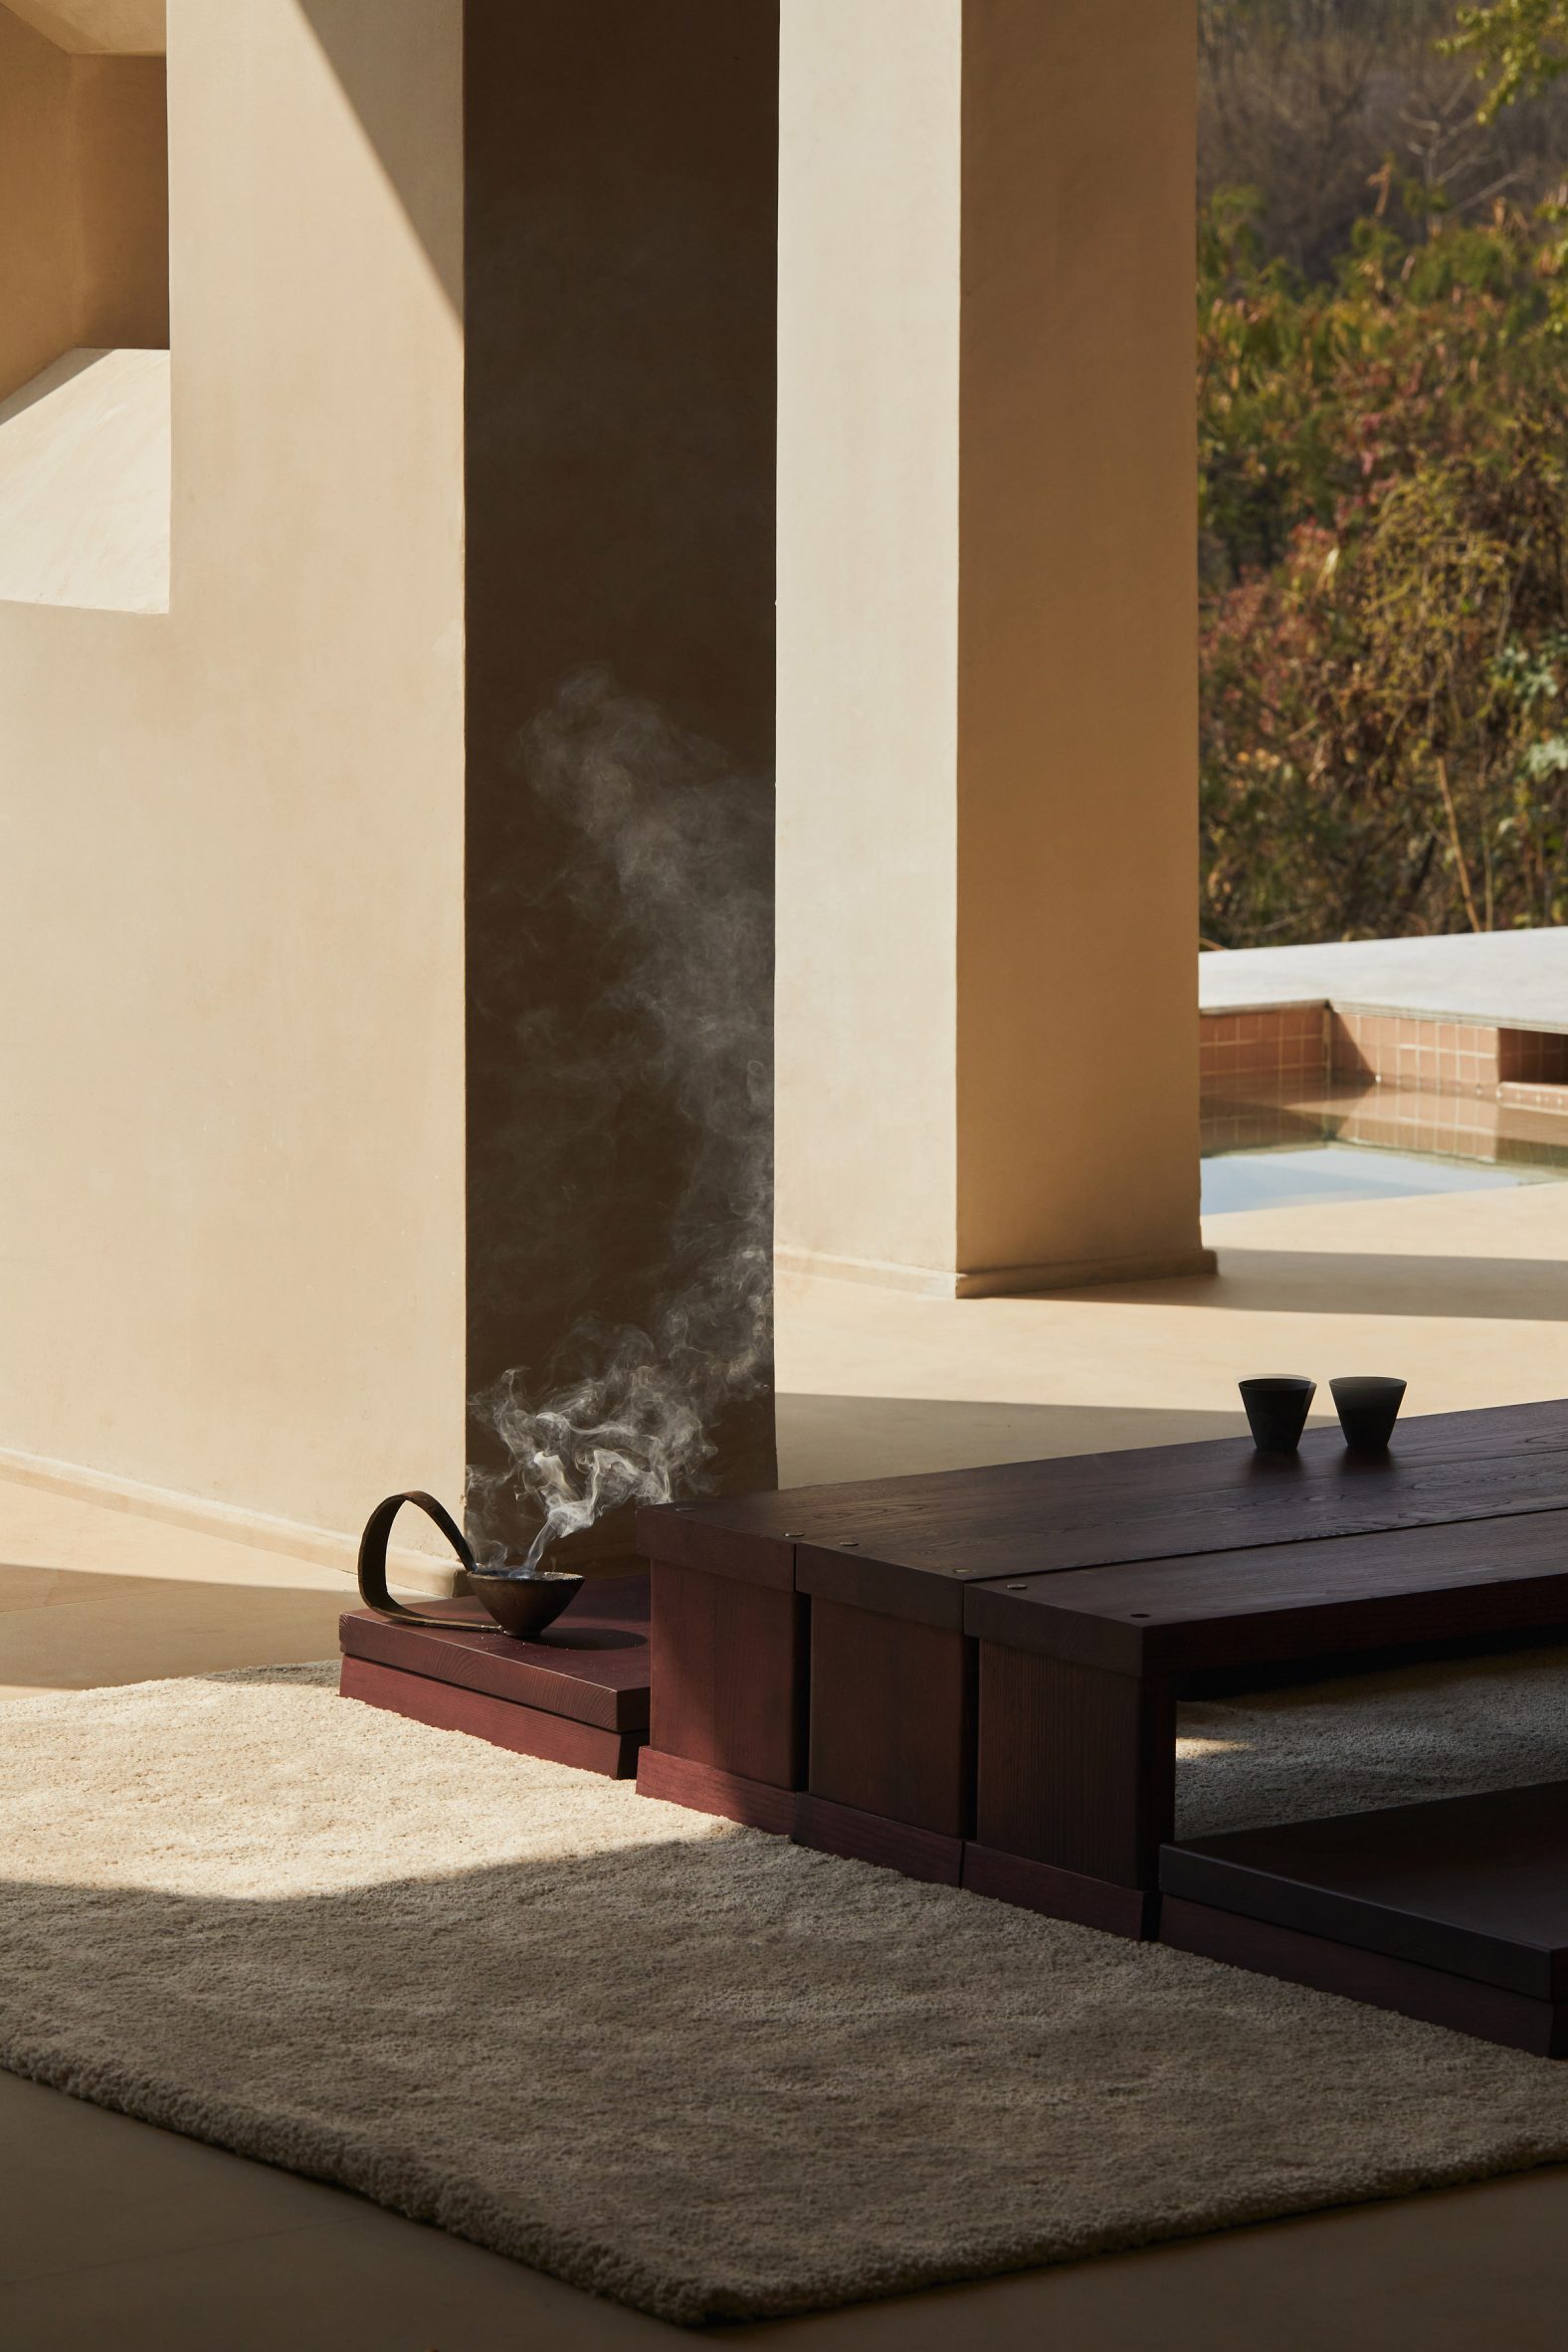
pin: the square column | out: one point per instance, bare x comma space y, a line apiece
987, 1036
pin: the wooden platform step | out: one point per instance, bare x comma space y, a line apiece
578, 1696
1454, 1910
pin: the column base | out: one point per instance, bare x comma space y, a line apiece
1000, 1281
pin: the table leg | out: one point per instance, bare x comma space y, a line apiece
1076, 1766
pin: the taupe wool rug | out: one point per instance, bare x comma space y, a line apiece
690, 2065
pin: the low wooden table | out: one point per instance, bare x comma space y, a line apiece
577, 1695
1080, 1674
972, 1676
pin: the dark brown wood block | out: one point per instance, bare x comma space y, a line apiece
1437, 1998
729, 1671
1062, 1894
1272, 1604
738, 1536
911, 1545
592, 1664
704, 1789
1076, 1766
1476, 1886
527, 1731
892, 1717
872, 1837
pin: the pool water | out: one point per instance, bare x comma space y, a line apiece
1299, 1177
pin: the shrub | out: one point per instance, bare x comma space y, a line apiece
1384, 464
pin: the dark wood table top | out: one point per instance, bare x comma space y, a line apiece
1283, 1602
911, 1546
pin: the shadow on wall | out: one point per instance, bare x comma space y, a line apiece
823, 1439
374, 77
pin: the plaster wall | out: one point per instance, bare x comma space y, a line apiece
97, 27
868, 586
622, 202
1078, 789
120, 150
230, 1164
38, 265
84, 202
988, 643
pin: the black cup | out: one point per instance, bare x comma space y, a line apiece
1368, 1408
1277, 1410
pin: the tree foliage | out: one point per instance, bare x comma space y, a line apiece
1519, 46
1385, 559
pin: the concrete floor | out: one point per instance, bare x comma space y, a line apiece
117, 2236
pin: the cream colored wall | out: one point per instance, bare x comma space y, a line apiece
84, 202
1078, 1046
988, 641
119, 139
231, 1152
121, 26
38, 282
868, 589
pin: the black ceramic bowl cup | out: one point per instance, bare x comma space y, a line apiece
523, 1600
1368, 1408
1277, 1410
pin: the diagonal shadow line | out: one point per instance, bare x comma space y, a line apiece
1364, 1283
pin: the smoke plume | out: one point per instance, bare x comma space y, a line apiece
672, 853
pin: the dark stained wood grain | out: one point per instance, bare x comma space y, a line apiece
1076, 1766
738, 1536
1475, 1886
593, 1663
893, 1712
1062, 1894
872, 1837
1440, 1998
729, 1671
703, 1788
1287, 1601
525, 1730
911, 1545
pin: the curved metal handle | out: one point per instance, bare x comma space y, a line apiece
373, 1560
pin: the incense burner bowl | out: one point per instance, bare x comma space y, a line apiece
523, 1600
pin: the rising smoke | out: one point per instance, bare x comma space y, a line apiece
675, 858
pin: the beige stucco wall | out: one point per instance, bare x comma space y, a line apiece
37, 276
988, 641
621, 193
84, 202
1077, 788
230, 1150
136, 28
120, 136
868, 590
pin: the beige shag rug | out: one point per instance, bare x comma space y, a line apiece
690, 2065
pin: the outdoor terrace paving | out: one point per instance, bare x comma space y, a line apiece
1507, 979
